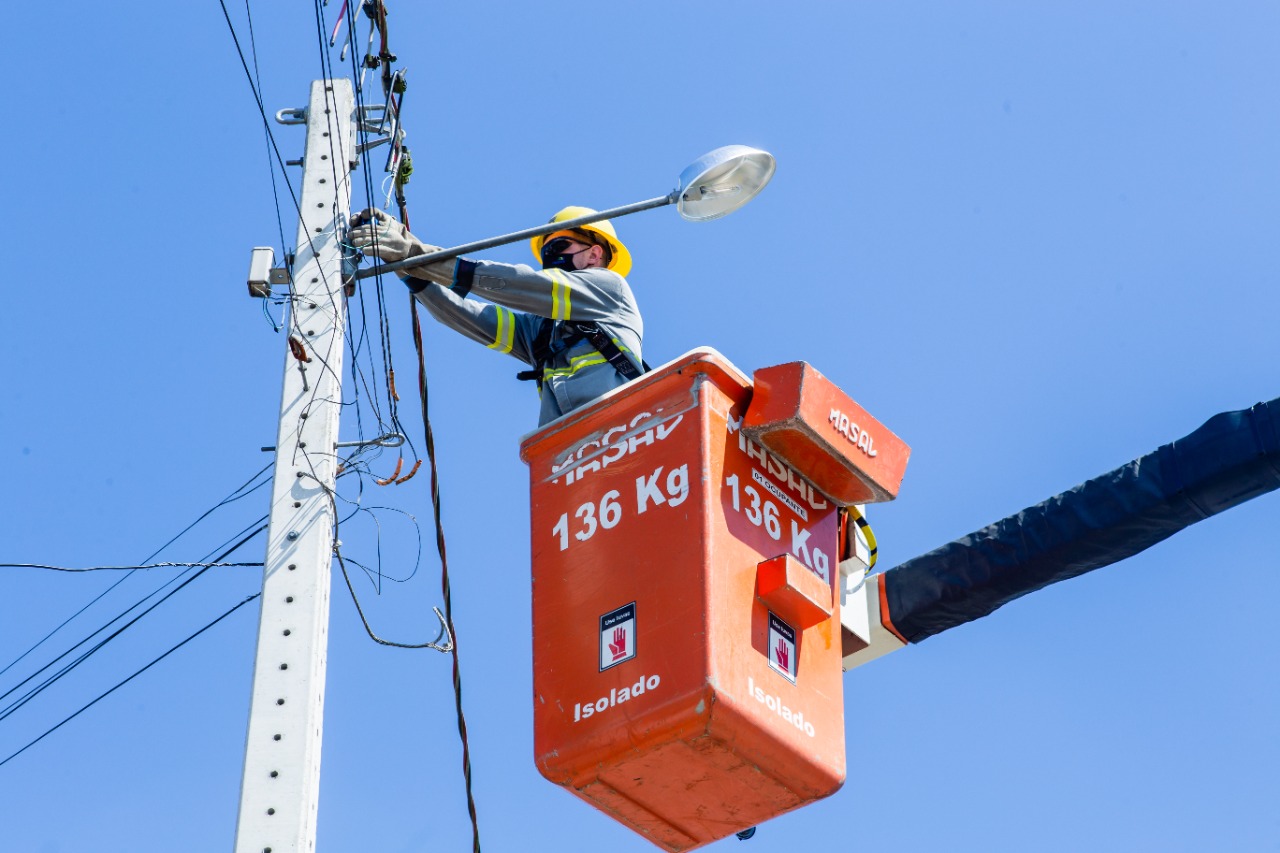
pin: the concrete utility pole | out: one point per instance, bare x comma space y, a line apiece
281, 783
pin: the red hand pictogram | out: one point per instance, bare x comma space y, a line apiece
783, 655
619, 644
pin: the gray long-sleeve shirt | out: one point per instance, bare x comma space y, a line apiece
521, 297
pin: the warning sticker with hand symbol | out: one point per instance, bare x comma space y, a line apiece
617, 636
782, 648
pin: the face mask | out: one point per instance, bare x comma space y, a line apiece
554, 255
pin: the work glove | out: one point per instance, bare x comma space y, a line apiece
374, 232
395, 243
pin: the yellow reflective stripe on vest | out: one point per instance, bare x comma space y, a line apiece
575, 365
505, 336
561, 305
577, 362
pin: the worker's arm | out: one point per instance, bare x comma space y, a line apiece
496, 327
590, 294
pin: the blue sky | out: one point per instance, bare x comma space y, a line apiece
1036, 242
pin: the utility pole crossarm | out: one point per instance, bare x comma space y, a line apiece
281, 784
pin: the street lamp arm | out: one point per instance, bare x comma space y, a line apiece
517, 236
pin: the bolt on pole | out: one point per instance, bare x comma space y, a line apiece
280, 788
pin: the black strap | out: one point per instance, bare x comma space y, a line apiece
612, 353
542, 351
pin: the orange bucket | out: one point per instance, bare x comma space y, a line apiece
686, 634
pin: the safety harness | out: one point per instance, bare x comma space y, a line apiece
543, 351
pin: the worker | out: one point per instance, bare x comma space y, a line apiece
575, 321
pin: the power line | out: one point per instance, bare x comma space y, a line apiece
271, 168
236, 494
53, 679
257, 98
130, 678
124, 568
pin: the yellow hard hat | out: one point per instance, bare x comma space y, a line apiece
620, 258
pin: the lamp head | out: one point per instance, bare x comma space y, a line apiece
721, 181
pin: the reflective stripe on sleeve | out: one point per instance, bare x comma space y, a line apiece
504, 337
561, 305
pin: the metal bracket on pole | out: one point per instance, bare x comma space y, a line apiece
281, 784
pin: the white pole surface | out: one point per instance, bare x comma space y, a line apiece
281, 784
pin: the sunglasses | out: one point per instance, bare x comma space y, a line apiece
555, 248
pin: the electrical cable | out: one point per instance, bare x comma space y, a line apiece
124, 568
384, 325
444, 572
379, 293
127, 680
235, 495
358, 341
257, 97
271, 167
334, 158
379, 574
115, 619
434, 644
35, 691
445, 631
386, 57
446, 619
